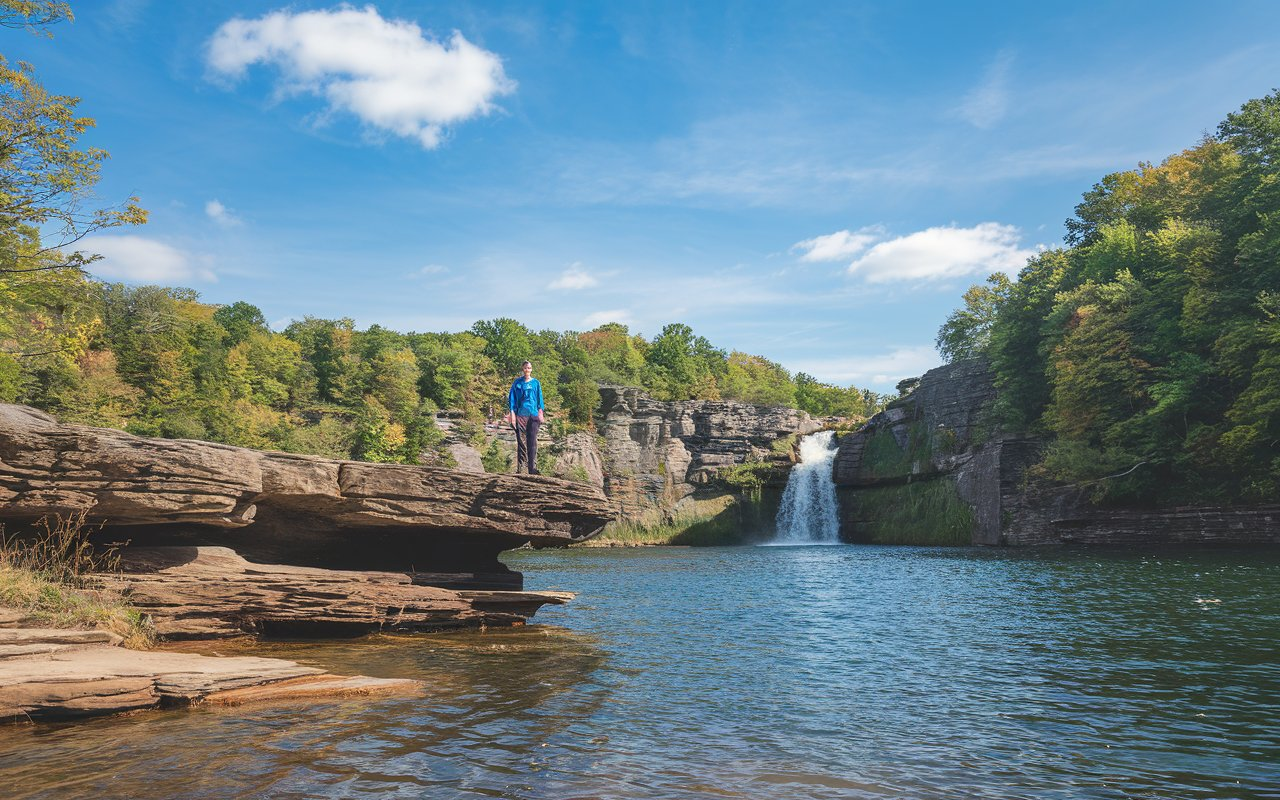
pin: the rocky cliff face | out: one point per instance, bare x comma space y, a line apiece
357, 526
654, 454
930, 469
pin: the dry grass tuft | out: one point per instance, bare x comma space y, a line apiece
49, 576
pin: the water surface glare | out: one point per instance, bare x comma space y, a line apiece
769, 672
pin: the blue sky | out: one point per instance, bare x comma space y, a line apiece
812, 182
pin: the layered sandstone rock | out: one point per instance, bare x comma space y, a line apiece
211, 592
283, 508
60, 674
656, 453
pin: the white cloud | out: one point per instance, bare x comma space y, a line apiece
881, 370
595, 320
385, 72
216, 211
137, 259
945, 252
988, 102
839, 245
433, 269
575, 277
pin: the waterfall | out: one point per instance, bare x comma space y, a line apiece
808, 511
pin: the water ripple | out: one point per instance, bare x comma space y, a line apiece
799, 672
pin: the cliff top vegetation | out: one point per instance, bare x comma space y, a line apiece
1148, 347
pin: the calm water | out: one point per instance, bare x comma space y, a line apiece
772, 672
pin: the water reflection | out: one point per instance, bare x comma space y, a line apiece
822, 672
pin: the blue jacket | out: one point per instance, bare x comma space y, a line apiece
525, 398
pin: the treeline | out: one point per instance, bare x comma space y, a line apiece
1148, 348
158, 362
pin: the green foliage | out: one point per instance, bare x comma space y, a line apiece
158, 362
46, 180
496, 458
240, 320
928, 512
883, 457
748, 477
967, 332
1147, 348
713, 522
754, 379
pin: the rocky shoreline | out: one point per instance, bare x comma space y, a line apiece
217, 541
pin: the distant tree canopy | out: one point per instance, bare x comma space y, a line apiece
1153, 339
159, 362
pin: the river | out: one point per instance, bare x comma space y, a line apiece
767, 672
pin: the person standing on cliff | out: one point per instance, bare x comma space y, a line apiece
526, 414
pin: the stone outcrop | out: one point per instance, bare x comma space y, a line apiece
935, 446
283, 508
656, 453
218, 541
930, 431
580, 460
211, 592
60, 674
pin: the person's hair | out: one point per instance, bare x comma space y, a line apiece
524, 364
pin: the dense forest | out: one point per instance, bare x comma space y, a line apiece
1148, 348
158, 362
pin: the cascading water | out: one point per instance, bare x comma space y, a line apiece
808, 511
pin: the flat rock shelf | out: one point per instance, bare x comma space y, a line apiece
48, 674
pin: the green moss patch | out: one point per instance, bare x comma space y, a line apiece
928, 512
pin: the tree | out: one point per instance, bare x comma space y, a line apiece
507, 343
967, 332
46, 181
755, 379
34, 15
240, 320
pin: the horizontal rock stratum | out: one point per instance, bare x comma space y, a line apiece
280, 507
218, 541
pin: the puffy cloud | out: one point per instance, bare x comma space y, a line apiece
386, 72
839, 245
599, 318
137, 259
216, 211
575, 277
944, 252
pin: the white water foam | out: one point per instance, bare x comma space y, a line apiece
808, 511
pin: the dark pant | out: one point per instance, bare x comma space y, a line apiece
527, 444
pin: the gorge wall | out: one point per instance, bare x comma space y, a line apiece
658, 454
933, 468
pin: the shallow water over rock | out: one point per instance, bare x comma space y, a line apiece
801, 672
